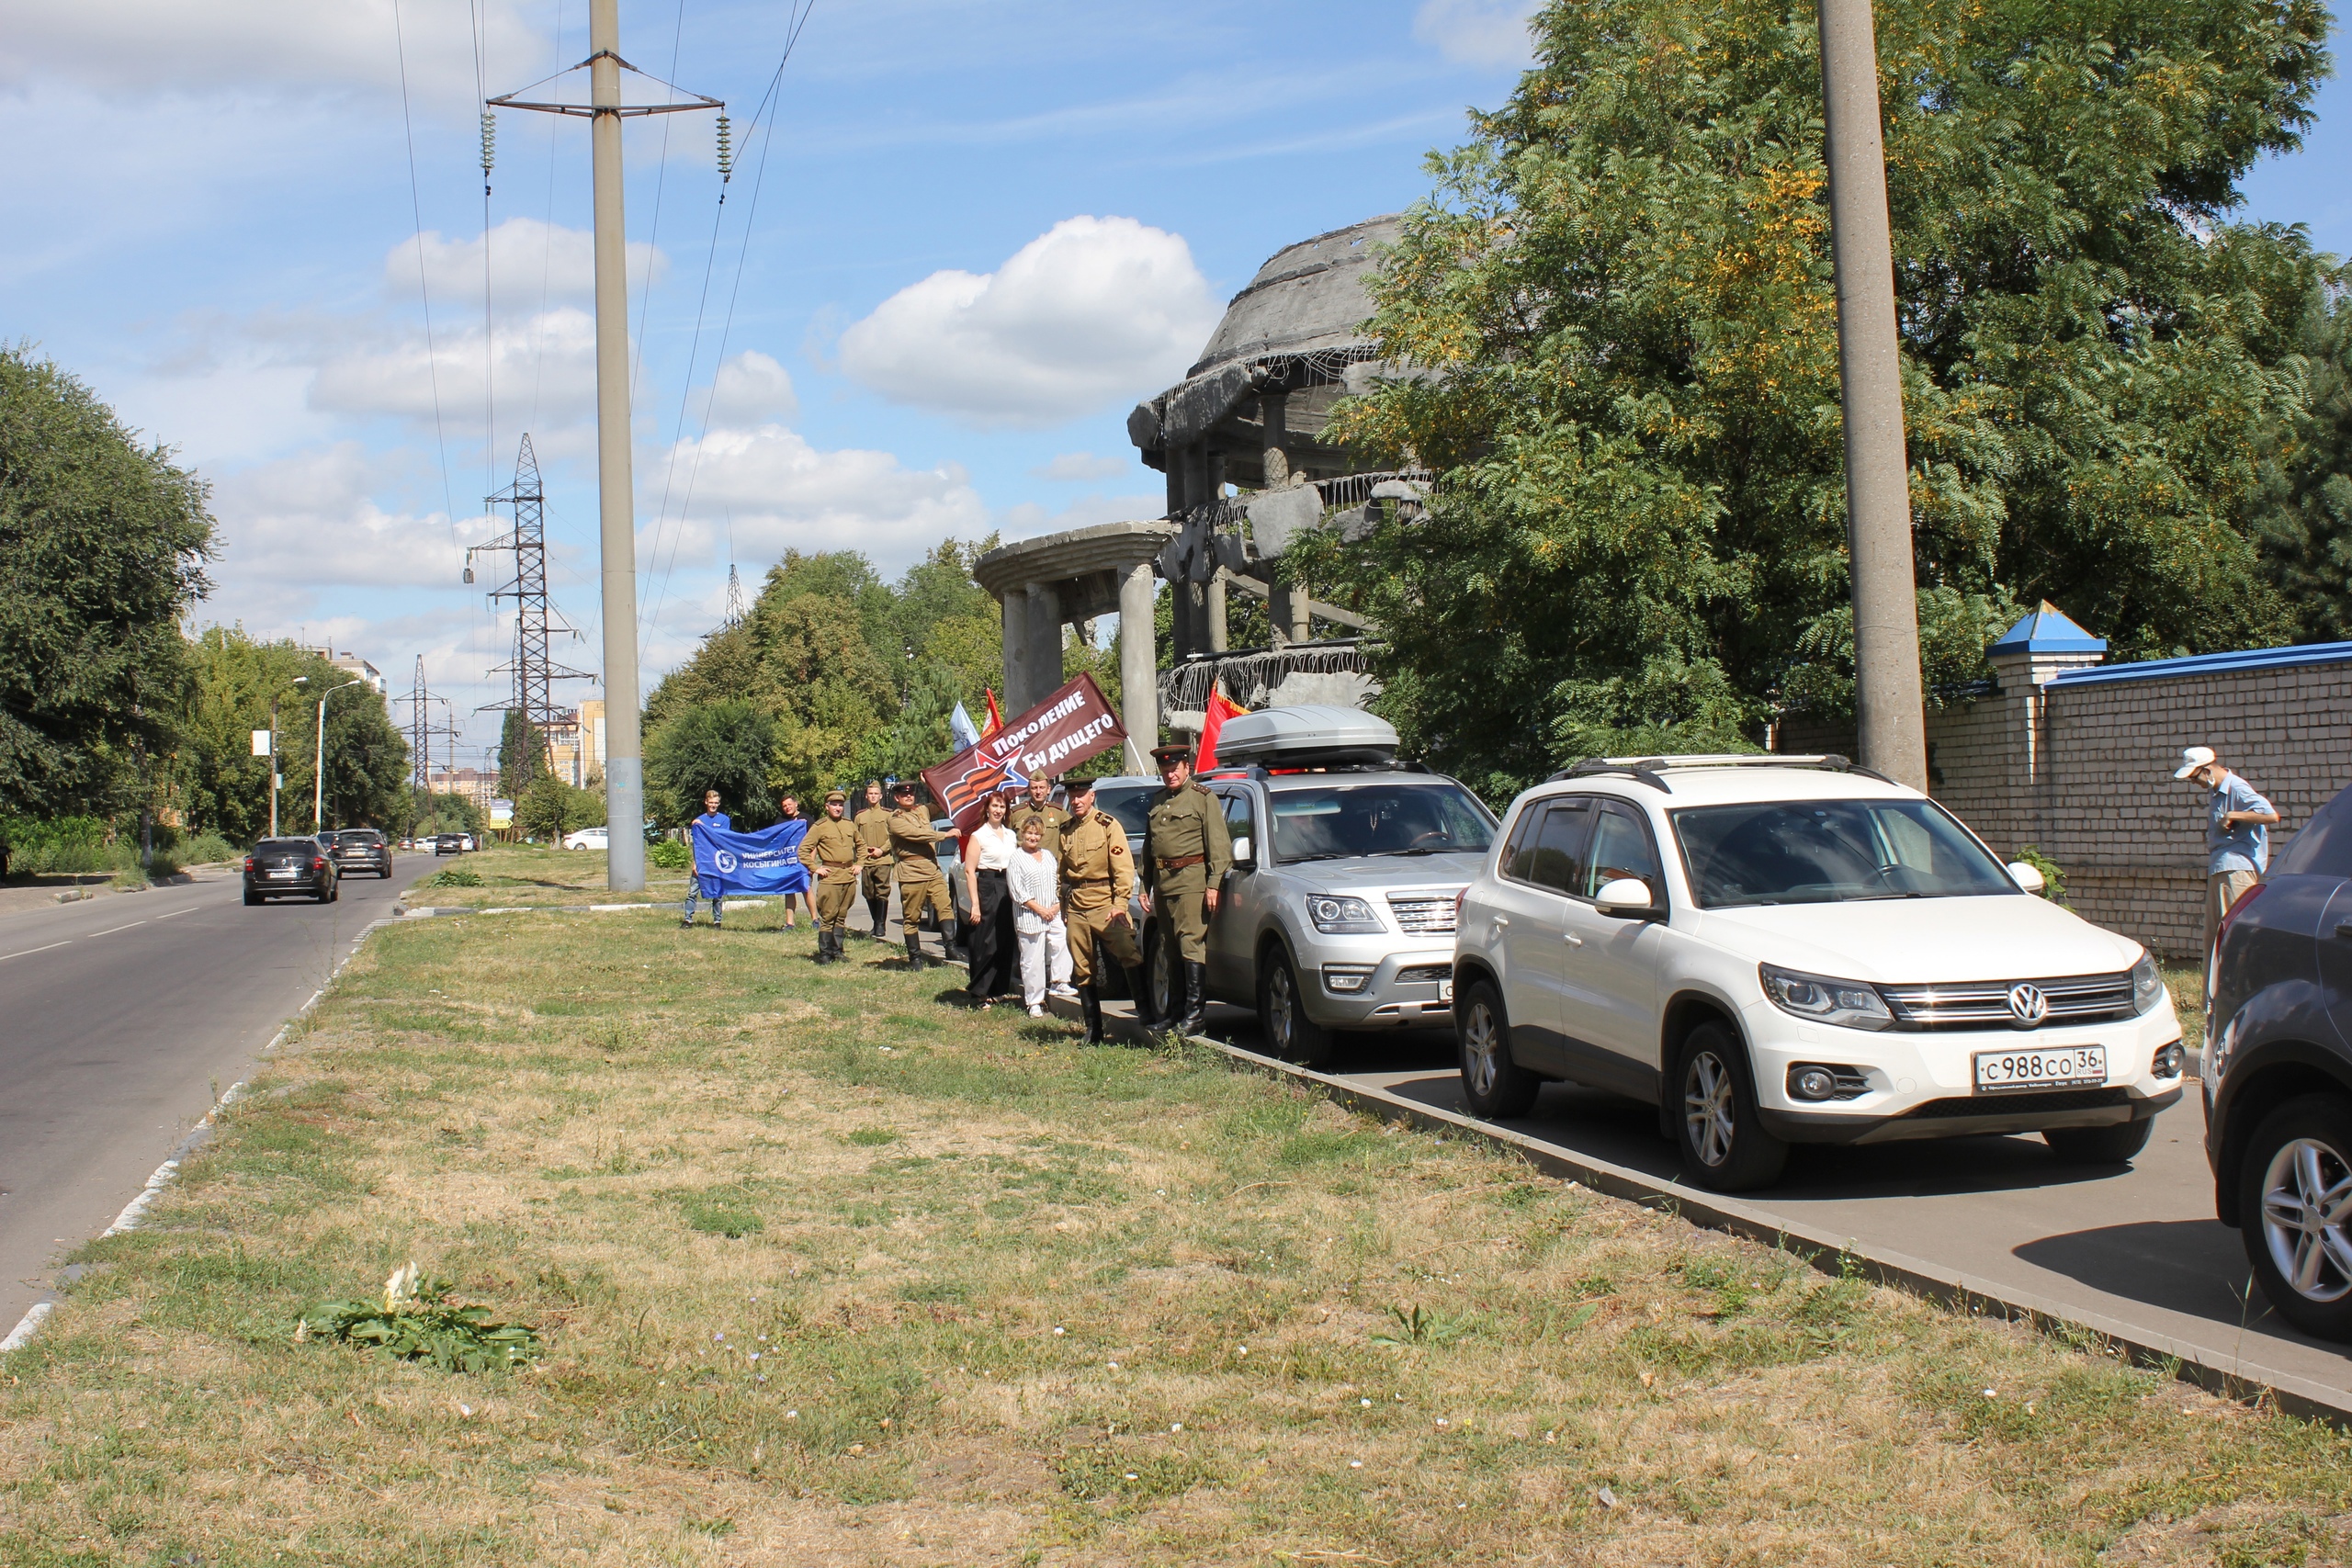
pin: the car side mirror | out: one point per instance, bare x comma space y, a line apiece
1628, 898
1242, 851
2025, 877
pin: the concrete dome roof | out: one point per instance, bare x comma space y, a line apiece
1308, 295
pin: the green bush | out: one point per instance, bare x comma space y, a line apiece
2053, 876
455, 876
669, 855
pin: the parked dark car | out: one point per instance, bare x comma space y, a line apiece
448, 843
2278, 1075
362, 849
278, 867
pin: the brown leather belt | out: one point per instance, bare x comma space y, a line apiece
1088, 881
1177, 863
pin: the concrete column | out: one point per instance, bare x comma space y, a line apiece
1213, 602
1015, 612
1042, 668
1139, 668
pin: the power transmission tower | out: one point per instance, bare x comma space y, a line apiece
534, 673
734, 598
423, 732
616, 503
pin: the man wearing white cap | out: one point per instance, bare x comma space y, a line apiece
2237, 834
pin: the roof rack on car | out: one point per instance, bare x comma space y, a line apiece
1647, 770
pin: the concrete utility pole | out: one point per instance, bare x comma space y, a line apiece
1888, 700
617, 508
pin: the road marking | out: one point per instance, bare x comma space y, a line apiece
111, 929
191, 909
30, 950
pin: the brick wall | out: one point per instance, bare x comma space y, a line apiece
2082, 768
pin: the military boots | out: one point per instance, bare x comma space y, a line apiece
1090, 1006
1195, 1002
879, 910
915, 960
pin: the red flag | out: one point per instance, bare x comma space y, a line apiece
995, 719
1211, 726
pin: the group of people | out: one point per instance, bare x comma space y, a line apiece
1048, 884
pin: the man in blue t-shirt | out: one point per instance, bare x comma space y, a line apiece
2237, 834
711, 817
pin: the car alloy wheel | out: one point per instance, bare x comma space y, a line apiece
1492, 1084
1282, 1012
1282, 1007
1708, 1110
1482, 1048
2307, 1218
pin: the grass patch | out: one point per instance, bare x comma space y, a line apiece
989, 1296
504, 876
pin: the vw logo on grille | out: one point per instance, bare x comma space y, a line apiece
2027, 1006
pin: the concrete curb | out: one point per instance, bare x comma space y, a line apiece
134, 1213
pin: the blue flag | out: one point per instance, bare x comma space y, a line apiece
767, 861
962, 730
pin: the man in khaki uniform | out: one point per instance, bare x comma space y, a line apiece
828, 850
1040, 804
914, 844
1098, 878
1186, 852
873, 825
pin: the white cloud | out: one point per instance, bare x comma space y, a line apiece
752, 388
298, 48
779, 492
312, 521
1029, 519
1077, 467
547, 362
1093, 313
1477, 32
530, 262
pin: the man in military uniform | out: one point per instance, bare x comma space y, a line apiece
914, 844
1098, 878
1040, 804
1186, 852
829, 851
873, 825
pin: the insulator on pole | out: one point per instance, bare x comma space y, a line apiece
725, 149
489, 141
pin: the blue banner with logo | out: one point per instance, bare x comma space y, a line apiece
733, 864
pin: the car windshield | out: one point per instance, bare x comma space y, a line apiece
1342, 820
1129, 806
1829, 852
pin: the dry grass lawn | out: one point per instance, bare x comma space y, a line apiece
508, 874
831, 1271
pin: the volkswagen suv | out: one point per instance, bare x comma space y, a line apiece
1783, 950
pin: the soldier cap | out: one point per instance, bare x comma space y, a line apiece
1173, 752
902, 787
833, 794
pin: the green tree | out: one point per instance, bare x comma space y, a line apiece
103, 542
2305, 518
550, 808
725, 746
220, 784
1619, 319
523, 757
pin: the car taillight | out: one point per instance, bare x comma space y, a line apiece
320, 863
249, 862
2232, 913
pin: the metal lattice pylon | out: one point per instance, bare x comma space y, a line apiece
422, 731
534, 619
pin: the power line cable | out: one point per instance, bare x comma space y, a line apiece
763, 125
424, 289
653, 239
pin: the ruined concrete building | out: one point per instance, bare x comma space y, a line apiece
1241, 440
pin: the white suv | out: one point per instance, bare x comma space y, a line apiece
1779, 949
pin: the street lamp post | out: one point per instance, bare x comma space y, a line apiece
274, 776
319, 767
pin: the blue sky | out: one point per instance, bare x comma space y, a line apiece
982, 231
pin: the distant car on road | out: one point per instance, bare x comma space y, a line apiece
360, 849
2277, 1076
280, 867
587, 838
448, 843
1785, 950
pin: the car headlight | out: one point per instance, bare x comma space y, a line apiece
2147, 985
1850, 1004
1340, 916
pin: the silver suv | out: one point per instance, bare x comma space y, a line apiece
1339, 912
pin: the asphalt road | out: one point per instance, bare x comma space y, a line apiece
2134, 1246
120, 1018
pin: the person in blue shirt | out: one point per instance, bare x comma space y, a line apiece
2237, 834
711, 817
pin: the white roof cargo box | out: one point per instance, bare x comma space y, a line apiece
1297, 736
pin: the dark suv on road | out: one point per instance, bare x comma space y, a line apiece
360, 849
2278, 1075
282, 866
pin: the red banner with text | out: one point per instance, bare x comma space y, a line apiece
1057, 735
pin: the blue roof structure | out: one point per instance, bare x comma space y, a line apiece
2211, 664
2046, 630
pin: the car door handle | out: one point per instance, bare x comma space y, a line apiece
1502, 922
1572, 939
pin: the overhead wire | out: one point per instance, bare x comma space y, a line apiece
660, 183
546, 252
424, 287
763, 125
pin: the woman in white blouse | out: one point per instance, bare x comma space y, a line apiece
987, 853
1033, 886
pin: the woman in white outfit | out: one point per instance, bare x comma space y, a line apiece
1032, 882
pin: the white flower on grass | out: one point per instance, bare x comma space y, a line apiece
1365, 1403
1057, 1332
1355, 1465
1176, 1427
401, 1289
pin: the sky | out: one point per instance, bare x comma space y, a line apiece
963, 238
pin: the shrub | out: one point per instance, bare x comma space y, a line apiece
417, 1321
669, 855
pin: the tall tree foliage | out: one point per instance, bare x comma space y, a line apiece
1620, 306
231, 680
103, 541
851, 676
2305, 517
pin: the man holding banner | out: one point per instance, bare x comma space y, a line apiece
728, 863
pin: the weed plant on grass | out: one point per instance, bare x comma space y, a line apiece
828, 1271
